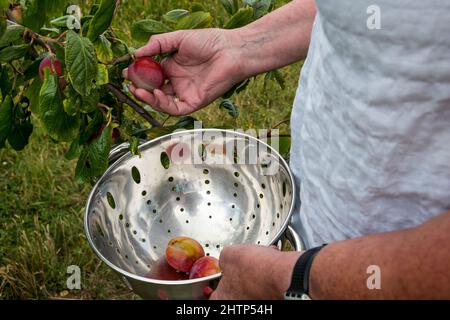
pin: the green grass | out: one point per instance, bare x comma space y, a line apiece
41, 206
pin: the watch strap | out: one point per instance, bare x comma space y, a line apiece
299, 289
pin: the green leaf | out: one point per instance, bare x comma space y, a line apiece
11, 53
37, 12
76, 103
196, 20
175, 15
2, 23
142, 30
103, 50
134, 146
89, 103
119, 48
260, 7
60, 53
6, 119
58, 124
241, 18
81, 62
241, 86
33, 69
32, 93
12, 34
231, 6
93, 160
72, 105
102, 19
61, 22
186, 122
74, 150
5, 81
20, 135
89, 132
277, 76
196, 7
102, 75
231, 107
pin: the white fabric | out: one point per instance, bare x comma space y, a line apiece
371, 120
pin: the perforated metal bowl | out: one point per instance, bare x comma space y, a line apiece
140, 203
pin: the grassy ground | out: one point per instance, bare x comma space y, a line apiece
41, 207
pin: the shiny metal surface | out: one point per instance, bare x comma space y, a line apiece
129, 221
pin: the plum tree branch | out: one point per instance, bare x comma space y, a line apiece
124, 58
123, 98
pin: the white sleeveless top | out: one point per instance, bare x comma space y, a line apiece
371, 121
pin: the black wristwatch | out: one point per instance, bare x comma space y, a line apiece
299, 289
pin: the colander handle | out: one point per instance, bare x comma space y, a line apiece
291, 236
118, 151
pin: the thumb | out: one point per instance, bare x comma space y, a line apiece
161, 43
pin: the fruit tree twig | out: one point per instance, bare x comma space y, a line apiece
124, 58
123, 98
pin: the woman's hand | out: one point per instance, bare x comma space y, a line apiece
252, 272
205, 64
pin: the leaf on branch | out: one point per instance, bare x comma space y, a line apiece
60, 53
103, 50
11, 53
59, 125
175, 15
91, 130
32, 93
186, 122
142, 30
12, 34
232, 109
5, 82
102, 19
93, 160
6, 119
33, 69
134, 146
20, 134
61, 22
102, 76
81, 62
241, 18
74, 150
2, 23
37, 12
238, 88
119, 48
196, 20
76, 103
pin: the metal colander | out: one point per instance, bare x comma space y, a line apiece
141, 203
